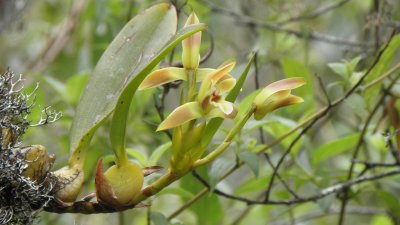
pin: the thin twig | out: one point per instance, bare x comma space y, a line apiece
56, 43
321, 84
331, 212
323, 193
322, 10
250, 21
358, 148
187, 204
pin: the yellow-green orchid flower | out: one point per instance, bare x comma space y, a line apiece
210, 100
277, 95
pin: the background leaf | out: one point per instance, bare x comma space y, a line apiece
334, 147
208, 209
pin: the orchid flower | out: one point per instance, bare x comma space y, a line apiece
277, 95
210, 100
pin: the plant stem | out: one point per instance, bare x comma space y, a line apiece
157, 186
383, 76
187, 204
228, 140
191, 74
121, 218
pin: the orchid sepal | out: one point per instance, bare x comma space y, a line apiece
184, 113
163, 76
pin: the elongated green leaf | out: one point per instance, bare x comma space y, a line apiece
293, 68
253, 185
218, 169
139, 156
130, 51
156, 155
176, 191
334, 147
213, 125
383, 64
251, 160
158, 218
207, 209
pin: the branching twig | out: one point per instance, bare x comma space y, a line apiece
358, 148
244, 19
323, 193
331, 212
322, 10
56, 43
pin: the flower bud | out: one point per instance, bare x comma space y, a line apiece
191, 46
277, 95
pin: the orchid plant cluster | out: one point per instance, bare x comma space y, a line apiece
202, 98
208, 101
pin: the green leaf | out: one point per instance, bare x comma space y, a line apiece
335, 147
139, 156
57, 85
251, 160
176, 191
215, 123
253, 185
381, 220
351, 66
156, 155
281, 126
218, 170
207, 209
340, 69
74, 87
158, 218
383, 64
293, 68
131, 50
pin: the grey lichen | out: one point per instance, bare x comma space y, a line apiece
21, 197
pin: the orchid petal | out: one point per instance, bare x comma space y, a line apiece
226, 107
163, 76
217, 112
181, 115
213, 78
202, 73
226, 85
221, 71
